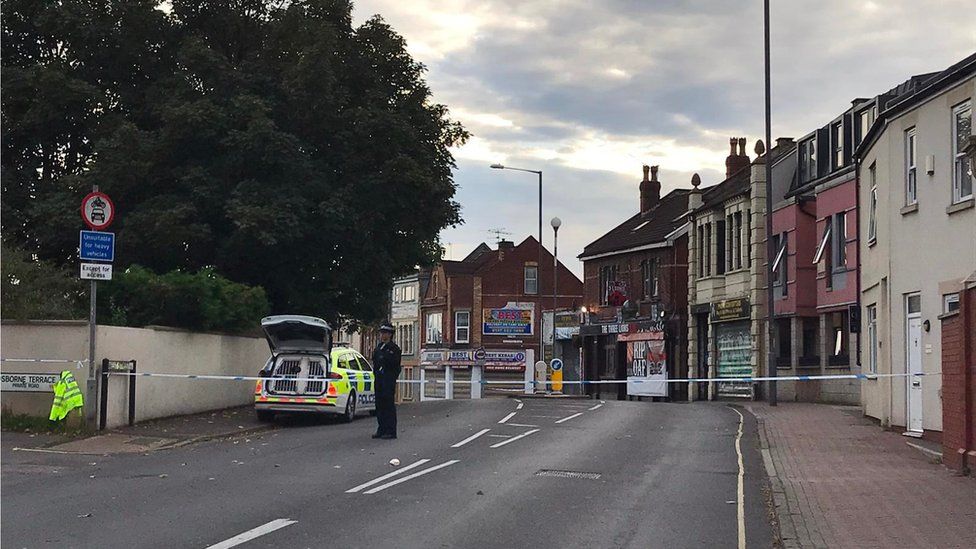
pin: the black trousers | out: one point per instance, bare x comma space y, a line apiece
386, 417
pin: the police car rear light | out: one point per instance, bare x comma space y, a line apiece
332, 390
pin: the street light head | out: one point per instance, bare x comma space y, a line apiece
556, 222
497, 167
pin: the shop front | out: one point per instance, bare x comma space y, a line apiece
458, 373
731, 327
614, 351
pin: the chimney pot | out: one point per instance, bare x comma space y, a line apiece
654, 173
650, 190
742, 147
646, 169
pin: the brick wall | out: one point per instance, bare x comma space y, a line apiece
959, 385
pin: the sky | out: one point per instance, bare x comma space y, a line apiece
589, 91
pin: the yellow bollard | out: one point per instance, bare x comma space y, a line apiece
557, 375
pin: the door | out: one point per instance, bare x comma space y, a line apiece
367, 397
702, 366
913, 362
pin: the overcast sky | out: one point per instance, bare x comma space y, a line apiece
588, 91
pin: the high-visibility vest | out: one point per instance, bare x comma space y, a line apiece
67, 396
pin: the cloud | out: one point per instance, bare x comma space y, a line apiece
588, 91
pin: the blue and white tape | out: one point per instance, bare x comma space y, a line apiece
523, 382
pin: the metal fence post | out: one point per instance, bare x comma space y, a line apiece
103, 403
132, 396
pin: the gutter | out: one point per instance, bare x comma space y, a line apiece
653, 246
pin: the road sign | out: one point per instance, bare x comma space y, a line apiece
96, 246
557, 375
28, 382
96, 271
97, 210
556, 364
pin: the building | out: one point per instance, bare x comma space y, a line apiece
635, 290
917, 242
726, 275
485, 311
405, 317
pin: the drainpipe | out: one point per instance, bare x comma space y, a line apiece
857, 279
968, 329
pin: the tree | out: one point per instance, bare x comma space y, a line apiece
39, 290
272, 142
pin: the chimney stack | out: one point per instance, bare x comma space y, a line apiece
737, 159
650, 190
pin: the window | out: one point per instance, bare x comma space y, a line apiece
837, 144
866, 119
839, 248
720, 247
434, 327
708, 249
808, 159
405, 337
962, 176
363, 365
348, 362
839, 327
950, 303
911, 190
403, 294
749, 238
738, 240
462, 326
701, 251
872, 317
781, 243
914, 304
873, 218
824, 242
531, 280
649, 278
608, 274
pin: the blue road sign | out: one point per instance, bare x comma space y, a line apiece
97, 246
556, 364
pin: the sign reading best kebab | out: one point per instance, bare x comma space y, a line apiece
514, 319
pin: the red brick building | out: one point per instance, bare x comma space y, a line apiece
636, 286
485, 309
959, 382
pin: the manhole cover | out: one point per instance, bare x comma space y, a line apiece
567, 474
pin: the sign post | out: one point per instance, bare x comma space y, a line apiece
98, 212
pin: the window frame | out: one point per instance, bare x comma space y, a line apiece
839, 242
779, 267
439, 327
948, 300
808, 159
458, 327
911, 167
720, 248
526, 279
959, 158
871, 313
738, 239
873, 216
837, 144
824, 240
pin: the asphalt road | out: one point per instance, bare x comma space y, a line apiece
656, 475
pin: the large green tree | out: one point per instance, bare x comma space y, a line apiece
273, 142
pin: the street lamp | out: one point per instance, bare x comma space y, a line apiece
556, 222
539, 268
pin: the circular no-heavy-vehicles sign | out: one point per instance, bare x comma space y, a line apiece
97, 210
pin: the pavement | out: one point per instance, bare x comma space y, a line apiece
839, 480
487, 473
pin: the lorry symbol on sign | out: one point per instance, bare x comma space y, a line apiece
97, 210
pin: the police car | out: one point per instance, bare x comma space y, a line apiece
307, 373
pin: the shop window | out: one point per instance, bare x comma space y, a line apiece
784, 338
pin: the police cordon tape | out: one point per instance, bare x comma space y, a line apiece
523, 382
80, 363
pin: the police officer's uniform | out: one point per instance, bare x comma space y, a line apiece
386, 369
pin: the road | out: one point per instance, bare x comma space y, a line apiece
637, 474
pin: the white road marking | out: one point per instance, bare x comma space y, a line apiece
519, 407
386, 476
567, 418
597, 407
470, 438
276, 524
740, 496
413, 476
513, 439
520, 425
508, 417
501, 436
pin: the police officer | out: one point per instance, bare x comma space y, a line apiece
386, 368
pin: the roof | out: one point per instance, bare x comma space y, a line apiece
736, 184
643, 229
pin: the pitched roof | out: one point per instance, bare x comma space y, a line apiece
736, 184
643, 229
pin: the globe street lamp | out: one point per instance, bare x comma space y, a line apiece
556, 222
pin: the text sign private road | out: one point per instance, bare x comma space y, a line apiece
97, 246
96, 271
34, 383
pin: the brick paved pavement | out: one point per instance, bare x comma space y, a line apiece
839, 480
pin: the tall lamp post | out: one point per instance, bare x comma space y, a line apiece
556, 222
770, 359
539, 268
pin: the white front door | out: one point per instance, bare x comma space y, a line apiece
913, 360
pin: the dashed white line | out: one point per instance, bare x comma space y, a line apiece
520, 425
597, 407
470, 438
508, 417
513, 439
567, 418
413, 465
245, 537
501, 436
409, 477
